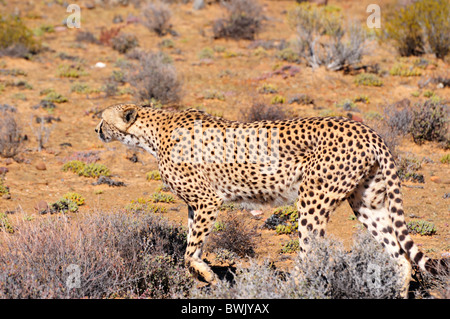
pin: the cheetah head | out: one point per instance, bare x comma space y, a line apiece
117, 123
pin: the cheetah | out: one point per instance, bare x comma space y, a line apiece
318, 161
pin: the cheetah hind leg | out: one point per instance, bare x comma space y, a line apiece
370, 207
314, 206
199, 225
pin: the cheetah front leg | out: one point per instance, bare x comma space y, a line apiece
200, 223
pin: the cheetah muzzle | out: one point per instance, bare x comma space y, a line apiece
207, 161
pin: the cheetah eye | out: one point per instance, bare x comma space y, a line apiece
129, 115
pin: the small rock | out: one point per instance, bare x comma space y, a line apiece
41, 166
100, 65
8, 161
60, 28
198, 4
435, 179
256, 212
89, 5
3, 170
6, 196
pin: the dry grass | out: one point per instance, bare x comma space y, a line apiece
109, 253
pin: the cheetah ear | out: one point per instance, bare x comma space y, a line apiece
129, 115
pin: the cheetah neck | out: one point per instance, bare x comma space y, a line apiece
150, 125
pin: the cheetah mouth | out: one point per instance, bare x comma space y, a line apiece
101, 134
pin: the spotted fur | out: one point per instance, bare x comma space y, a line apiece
320, 161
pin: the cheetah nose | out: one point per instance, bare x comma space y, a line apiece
99, 127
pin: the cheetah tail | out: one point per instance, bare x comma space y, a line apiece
438, 267
395, 202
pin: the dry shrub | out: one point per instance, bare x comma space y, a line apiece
156, 17
114, 254
10, 135
438, 285
327, 271
260, 111
16, 39
323, 40
399, 117
86, 36
243, 22
430, 123
153, 77
124, 42
234, 236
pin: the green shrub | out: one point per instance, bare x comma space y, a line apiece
88, 170
75, 197
63, 205
153, 175
434, 20
445, 159
403, 28
399, 69
70, 71
4, 190
55, 97
278, 99
421, 227
206, 53
144, 206
419, 24
5, 224
361, 98
291, 246
268, 89
82, 88
229, 207
368, 79
45, 28
161, 197
284, 220
16, 39
288, 55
